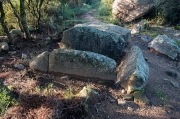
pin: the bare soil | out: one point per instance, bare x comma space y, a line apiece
38, 100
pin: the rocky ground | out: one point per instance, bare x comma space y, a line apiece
42, 95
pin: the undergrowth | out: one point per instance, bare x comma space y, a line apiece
6, 98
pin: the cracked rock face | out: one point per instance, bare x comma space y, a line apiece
129, 10
165, 45
133, 71
76, 63
98, 37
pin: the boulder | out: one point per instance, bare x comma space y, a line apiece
17, 32
133, 71
165, 45
98, 37
129, 10
4, 46
41, 62
138, 27
82, 64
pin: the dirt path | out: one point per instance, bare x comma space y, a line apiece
89, 17
163, 96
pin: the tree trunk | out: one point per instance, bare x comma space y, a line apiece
39, 5
23, 20
10, 39
16, 15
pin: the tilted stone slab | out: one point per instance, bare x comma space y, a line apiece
129, 10
133, 71
165, 45
105, 39
41, 62
82, 63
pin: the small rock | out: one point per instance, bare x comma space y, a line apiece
165, 79
128, 97
175, 84
86, 92
165, 45
130, 108
172, 73
169, 107
146, 38
65, 77
55, 39
112, 101
140, 97
17, 32
1, 58
12, 52
24, 56
19, 66
4, 46
138, 27
48, 40
123, 91
31, 28
121, 102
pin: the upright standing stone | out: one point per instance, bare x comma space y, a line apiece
132, 73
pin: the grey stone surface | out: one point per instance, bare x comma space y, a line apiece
41, 62
17, 32
165, 45
128, 97
133, 71
140, 97
138, 27
82, 63
129, 10
1, 58
19, 66
24, 56
175, 84
121, 102
4, 46
98, 37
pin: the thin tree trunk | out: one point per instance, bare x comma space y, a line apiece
16, 15
39, 5
23, 20
10, 39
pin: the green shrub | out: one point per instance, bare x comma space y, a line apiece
105, 7
169, 11
6, 98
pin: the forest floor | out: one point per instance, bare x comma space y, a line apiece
39, 99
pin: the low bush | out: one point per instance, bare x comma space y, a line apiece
6, 98
168, 11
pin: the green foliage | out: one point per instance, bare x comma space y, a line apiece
48, 90
53, 13
178, 42
6, 98
104, 12
68, 93
161, 95
105, 7
168, 11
